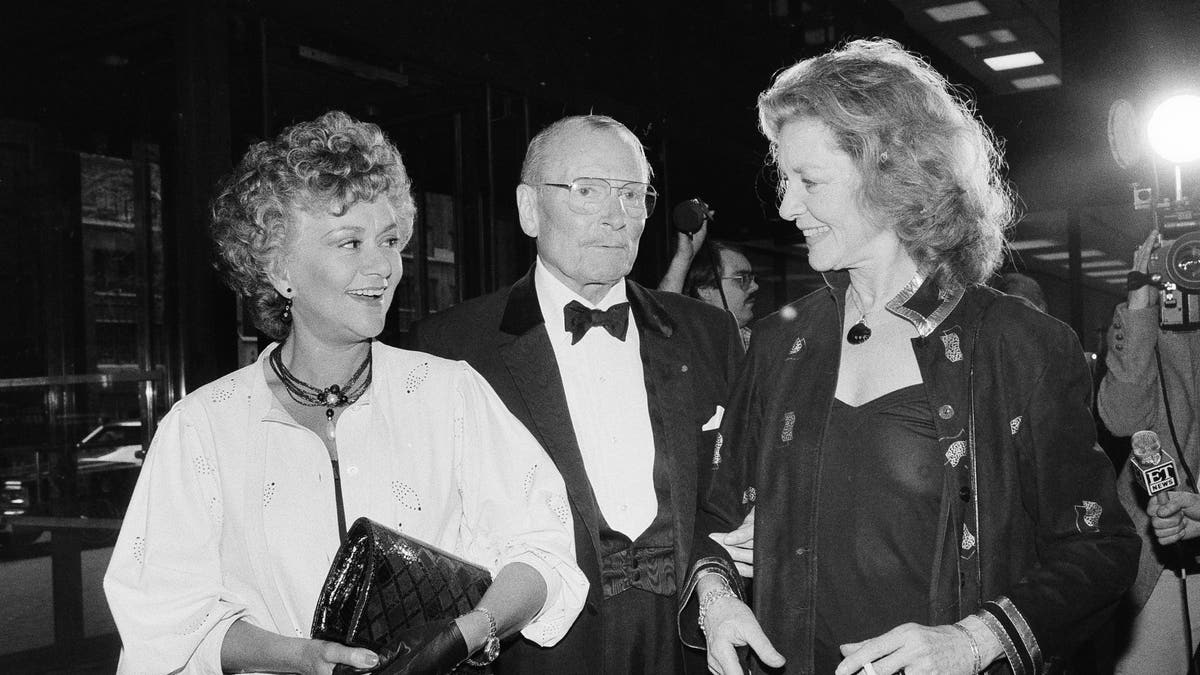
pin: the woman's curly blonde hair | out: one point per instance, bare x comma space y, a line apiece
330, 164
928, 165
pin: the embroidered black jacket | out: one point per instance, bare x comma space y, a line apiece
1032, 537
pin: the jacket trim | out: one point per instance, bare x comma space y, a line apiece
1020, 646
922, 302
925, 304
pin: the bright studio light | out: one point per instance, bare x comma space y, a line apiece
1175, 129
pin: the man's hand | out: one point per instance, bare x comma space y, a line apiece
1146, 296
740, 545
731, 624
686, 246
1174, 516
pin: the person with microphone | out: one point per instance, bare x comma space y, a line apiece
918, 449
714, 271
1152, 383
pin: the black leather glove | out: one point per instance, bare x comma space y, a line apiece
433, 649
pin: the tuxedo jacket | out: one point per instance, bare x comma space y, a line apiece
689, 350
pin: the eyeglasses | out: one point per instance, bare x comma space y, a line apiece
745, 280
587, 195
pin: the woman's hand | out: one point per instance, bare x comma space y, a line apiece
739, 544
1174, 516
915, 649
249, 648
318, 657
731, 624
1146, 296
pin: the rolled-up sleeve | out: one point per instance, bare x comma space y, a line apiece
516, 507
163, 581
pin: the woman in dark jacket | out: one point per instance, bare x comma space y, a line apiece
918, 448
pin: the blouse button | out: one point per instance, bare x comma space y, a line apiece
946, 412
964, 493
353, 471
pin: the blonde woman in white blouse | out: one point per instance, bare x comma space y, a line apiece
251, 479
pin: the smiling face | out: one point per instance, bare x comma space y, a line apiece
588, 253
822, 196
342, 271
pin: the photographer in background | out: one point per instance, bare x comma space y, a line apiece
715, 272
1153, 383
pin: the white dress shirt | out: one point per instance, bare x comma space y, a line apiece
234, 515
606, 396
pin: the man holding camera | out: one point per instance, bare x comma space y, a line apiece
1153, 383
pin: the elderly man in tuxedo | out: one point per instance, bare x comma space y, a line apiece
622, 385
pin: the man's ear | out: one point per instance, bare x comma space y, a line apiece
527, 209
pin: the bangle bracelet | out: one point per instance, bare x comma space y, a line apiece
491, 644
713, 595
976, 666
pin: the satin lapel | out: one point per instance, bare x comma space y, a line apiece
534, 370
669, 392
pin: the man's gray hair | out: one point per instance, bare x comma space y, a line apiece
539, 151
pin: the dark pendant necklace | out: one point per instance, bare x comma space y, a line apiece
333, 396
859, 332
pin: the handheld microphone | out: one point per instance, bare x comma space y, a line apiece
1154, 465
691, 215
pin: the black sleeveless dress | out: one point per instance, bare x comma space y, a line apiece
878, 501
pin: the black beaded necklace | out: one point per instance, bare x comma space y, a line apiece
333, 396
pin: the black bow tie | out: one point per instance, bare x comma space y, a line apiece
579, 320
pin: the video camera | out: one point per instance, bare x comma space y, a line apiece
1174, 266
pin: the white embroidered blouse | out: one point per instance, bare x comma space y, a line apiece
234, 514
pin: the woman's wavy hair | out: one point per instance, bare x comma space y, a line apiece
929, 166
330, 163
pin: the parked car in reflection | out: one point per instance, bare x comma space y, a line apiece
107, 460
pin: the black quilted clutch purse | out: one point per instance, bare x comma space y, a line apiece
389, 593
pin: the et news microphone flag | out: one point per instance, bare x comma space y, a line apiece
1157, 472
1154, 465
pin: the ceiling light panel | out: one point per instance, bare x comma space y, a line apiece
1002, 36
973, 40
1036, 82
1011, 61
957, 11
1064, 255
1026, 244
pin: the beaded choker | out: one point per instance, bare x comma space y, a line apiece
333, 396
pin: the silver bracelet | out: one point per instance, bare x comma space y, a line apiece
491, 644
974, 647
710, 597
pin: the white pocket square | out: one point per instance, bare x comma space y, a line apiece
714, 421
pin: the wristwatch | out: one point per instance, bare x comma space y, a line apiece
491, 645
